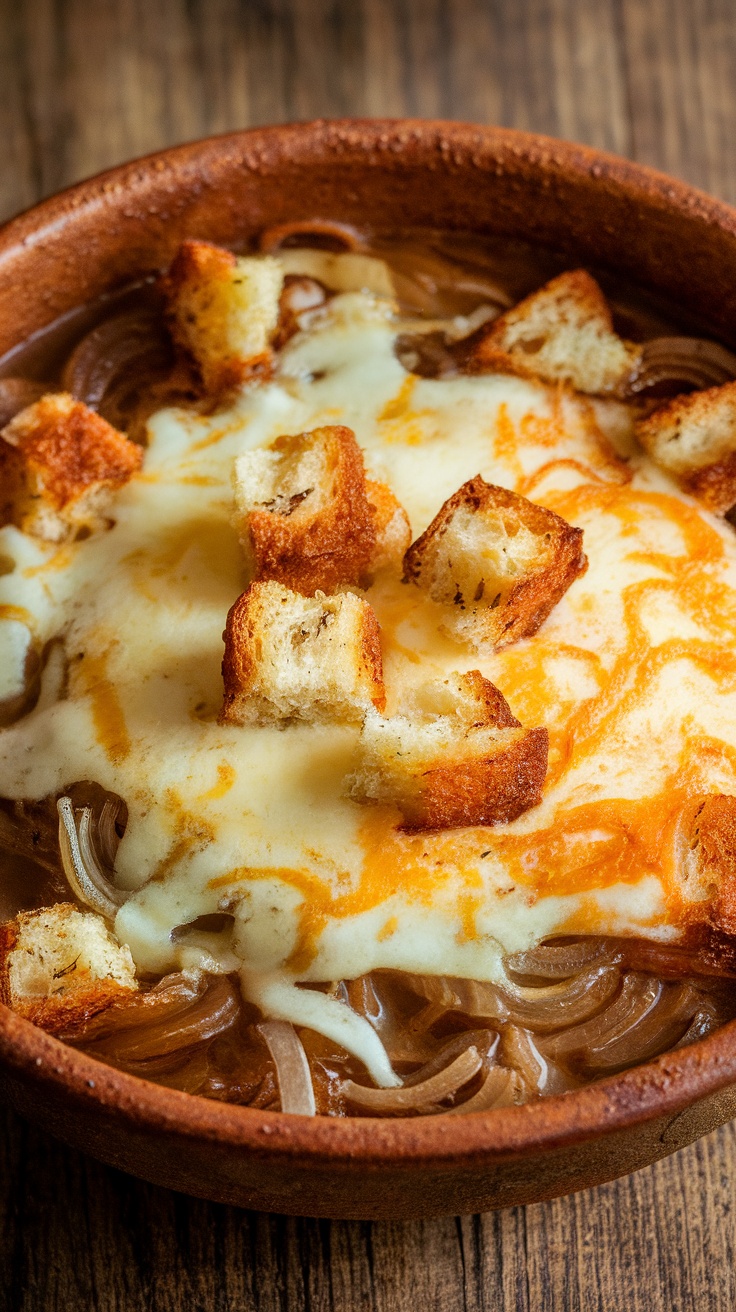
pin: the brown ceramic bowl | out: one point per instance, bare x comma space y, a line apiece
598, 210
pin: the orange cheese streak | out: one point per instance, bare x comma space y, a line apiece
107, 712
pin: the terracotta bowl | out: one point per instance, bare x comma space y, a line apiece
598, 209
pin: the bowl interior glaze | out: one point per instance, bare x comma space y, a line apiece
597, 210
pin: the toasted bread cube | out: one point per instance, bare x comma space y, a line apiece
707, 874
290, 657
60, 966
224, 310
561, 333
693, 438
60, 464
393, 530
304, 514
455, 756
497, 561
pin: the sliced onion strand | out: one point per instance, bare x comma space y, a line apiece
417, 1096
292, 1068
81, 866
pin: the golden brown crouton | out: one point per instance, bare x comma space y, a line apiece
561, 333
393, 530
498, 561
707, 866
59, 466
304, 513
289, 657
693, 438
224, 311
59, 966
454, 756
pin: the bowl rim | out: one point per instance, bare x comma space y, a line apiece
663, 1087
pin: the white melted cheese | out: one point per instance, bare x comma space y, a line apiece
255, 821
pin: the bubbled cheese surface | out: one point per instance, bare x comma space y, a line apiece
632, 674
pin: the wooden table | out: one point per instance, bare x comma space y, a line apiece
87, 83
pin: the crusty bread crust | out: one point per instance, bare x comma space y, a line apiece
708, 872
561, 333
499, 563
469, 762
60, 463
693, 438
289, 657
392, 527
221, 318
308, 518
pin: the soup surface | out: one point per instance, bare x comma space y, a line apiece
291, 941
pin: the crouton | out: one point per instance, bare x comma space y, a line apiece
304, 515
60, 966
497, 561
60, 463
289, 657
707, 865
393, 530
693, 438
454, 756
561, 333
224, 311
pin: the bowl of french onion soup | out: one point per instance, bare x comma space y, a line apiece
368, 667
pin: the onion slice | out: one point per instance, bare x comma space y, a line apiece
416, 1097
501, 1088
84, 874
292, 1068
689, 360
330, 234
560, 960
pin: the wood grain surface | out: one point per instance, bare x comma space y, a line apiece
85, 84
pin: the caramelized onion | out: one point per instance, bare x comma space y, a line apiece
692, 361
638, 994
417, 1097
292, 1068
537, 1073
540, 1009
179, 1013
500, 1088
81, 866
324, 233
653, 1030
560, 960
114, 365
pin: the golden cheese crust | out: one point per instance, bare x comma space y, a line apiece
497, 561
60, 463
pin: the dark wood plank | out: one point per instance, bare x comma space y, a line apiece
74, 1234
84, 86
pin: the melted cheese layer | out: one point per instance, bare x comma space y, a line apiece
632, 674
